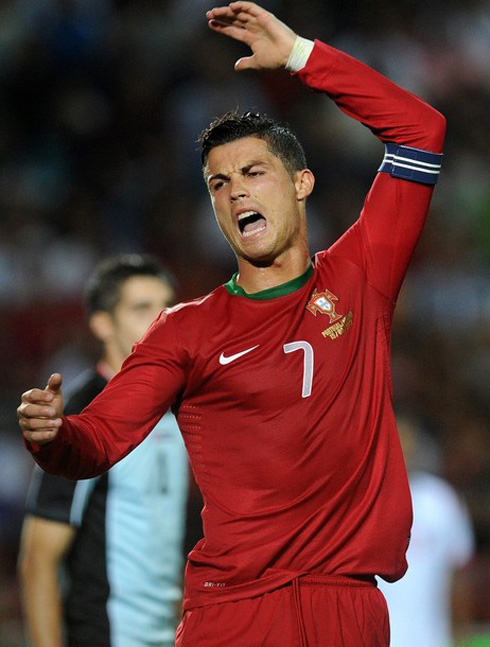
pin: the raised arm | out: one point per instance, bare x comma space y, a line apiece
359, 91
382, 241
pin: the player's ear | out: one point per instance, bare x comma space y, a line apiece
101, 325
304, 182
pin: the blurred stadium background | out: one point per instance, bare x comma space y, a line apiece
101, 102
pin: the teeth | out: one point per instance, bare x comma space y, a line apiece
254, 231
246, 214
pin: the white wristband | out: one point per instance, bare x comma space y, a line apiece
300, 54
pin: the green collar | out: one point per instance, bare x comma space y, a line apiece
270, 293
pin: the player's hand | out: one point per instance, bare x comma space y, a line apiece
40, 412
270, 40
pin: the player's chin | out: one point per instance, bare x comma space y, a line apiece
258, 258
252, 251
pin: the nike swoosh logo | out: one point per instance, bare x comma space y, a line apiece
223, 359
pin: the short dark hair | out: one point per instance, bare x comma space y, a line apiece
103, 289
281, 140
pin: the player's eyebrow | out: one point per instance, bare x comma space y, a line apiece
217, 176
245, 169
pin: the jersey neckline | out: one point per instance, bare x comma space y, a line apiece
271, 293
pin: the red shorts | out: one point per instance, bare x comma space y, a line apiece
310, 611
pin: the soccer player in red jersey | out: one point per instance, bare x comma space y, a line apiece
279, 379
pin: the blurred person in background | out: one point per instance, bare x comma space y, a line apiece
101, 559
280, 378
441, 544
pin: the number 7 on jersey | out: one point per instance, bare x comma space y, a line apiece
308, 364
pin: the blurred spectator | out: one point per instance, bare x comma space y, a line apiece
101, 559
441, 544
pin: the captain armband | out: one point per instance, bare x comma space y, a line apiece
412, 164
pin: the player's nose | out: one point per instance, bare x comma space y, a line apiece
238, 187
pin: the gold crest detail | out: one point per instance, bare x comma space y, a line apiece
340, 327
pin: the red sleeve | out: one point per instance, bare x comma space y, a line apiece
124, 413
382, 241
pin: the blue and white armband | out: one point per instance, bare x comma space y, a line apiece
412, 164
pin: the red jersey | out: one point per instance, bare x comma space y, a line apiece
284, 397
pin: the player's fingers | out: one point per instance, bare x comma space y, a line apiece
221, 14
228, 15
39, 430
54, 383
39, 424
238, 33
245, 19
242, 21
249, 8
222, 25
34, 410
246, 63
38, 396
40, 437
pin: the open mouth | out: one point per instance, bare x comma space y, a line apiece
251, 222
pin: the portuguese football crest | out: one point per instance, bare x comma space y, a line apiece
324, 303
